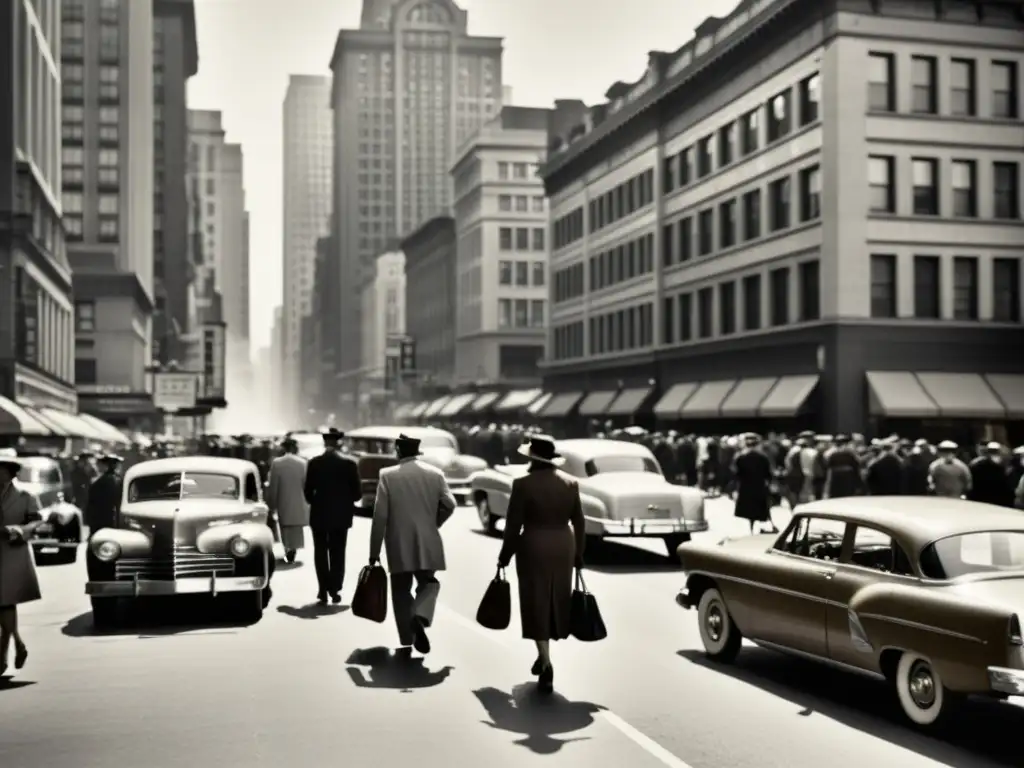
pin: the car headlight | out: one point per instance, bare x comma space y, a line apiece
240, 547
107, 551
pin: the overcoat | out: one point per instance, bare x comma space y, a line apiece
413, 502
18, 582
542, 506
285, 495
753, 486
103, 502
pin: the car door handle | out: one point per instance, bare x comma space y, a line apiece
827, 573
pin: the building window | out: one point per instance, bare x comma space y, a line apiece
505, 238
809, 275
810, 99
667, 245
963, 102
924, 97
727, 224
85, 316
1006, 290
668, 320
109, 231
705, 313
540, 273
685, 316
705, 158
965, 288
752, 302
749, 132
522, 274
1004, 90
110, 83
706, 232
73, 227
727, 308
538, 203
726, 144
85, 370
108, 204
685, 239
503, 171
752, 214
1006, 191
926, 186
881, 86
537, 313
779, 287
504, 313
538, 238
504, 273
881, 171
505, 203
685, 167
883, 285
71, 203
965, 193
522, 313
522, 239
810, 194
779, 119
522, 204
778, 204
927, 285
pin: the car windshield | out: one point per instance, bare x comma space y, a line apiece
40, 475
602, 465
383, 446
981, 552
183, 485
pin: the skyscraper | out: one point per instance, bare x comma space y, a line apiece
408, 89
307, 204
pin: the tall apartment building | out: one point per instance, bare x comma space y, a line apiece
410, 85
36, 313
810, 213
308, 141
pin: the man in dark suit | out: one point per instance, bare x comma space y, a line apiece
104, 498
332, 490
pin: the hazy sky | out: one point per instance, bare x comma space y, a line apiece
553, 49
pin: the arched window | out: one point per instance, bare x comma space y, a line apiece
429, 13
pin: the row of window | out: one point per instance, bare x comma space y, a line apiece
521, 203
1005, 288
622, 262
520, 313
928, 187
567, 341
624, 200
517, 171
568, 229
108, 228
570, 283
520, 273
924, 86
519, 239
622, 330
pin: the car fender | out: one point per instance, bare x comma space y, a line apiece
488, 480
216, 538
595, 509
132, 543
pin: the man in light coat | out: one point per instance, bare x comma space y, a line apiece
286, 498
413, 502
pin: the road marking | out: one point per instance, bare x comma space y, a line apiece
647, 744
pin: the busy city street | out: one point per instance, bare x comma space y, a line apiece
315, 686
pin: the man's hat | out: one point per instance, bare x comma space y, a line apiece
408, 446
807, 434
751, 439
11, 463
289, 443
541, 448
948, 445
332, 435
110, 458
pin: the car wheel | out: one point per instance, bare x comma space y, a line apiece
106, 612
488, 520
920, 690
721, 637
672, 543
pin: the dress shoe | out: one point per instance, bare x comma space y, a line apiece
321, 597
335, 597
538, 667
20, 656
289, 556
420, 641
546, 682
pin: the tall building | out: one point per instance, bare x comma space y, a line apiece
276, 380
410, 85
325, 318
431, 303
308, 141
108, 173
802, 216
383, 311
36, 313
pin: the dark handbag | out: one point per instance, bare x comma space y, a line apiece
495, 611
370, 600
585, 622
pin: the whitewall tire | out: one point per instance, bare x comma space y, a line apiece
718, 633
488, 522
920, 691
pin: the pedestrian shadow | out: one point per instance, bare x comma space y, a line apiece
539, 718
311, 611
381, 667
284, 565
10, 684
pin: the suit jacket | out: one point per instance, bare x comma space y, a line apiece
332, 489
103, 502
287, 489
413, 502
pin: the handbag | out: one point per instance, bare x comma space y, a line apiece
585, 622
495, 611
370, 600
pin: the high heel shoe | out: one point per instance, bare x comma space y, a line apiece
546, 682
20, 656
538, 667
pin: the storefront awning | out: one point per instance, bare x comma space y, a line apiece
516, 399
1010, 389
629, 401
560, 405
15, 421
73, 425
596, 403
899, 395
417, 410
670, 403
403, 409
788, 397
56, 428
538, 405
457, 404
962, 395
111, 434
435, 407
706, 402
484, 402
746, 397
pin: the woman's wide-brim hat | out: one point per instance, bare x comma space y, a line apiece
409, 446
541, 448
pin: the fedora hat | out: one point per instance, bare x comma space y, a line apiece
408, 446
11, 463
332, 435
110, 458
541, 448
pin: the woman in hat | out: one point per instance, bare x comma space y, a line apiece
19, 516
754, 477
543, 504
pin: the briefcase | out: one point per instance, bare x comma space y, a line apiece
585, 622
370, 600
495, 611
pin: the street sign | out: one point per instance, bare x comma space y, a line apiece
175, 391
214, 359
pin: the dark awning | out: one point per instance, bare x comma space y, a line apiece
417, 410
561, 404
596, 403
629, 401
538, 405
484, 401
516, 399
899, 395
435, 407
707, 400
746, 397
457, 404
16, 421
787, 397
670, 403
962, 395
1010, 389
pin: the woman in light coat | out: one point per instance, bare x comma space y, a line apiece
286, 498
19, 516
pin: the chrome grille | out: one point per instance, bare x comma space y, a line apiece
185, 562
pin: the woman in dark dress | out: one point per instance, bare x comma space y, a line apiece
543, 505
753, 484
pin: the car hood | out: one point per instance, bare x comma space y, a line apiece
638, 484
439, 457
196, 510
1005, 591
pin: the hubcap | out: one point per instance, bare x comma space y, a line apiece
921, 685
714, 622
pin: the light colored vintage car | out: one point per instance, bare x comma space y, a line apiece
187, 525
57, 539
623, 491
374, 449
925, 593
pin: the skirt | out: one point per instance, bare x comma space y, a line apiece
18, 582
293, 536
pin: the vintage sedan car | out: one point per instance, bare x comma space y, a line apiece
187, 525
623, 491
925, 593
57, 539
374, 449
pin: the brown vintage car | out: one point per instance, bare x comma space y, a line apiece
925, 593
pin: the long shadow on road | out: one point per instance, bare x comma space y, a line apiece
161, 618
381, 667
539, 719
987, 729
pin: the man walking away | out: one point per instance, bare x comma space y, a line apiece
989, 481
104, 498
332, 490
413, 502
286, 497
885, 474
947, 475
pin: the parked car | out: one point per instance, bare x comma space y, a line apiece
623, 491
187, 525
57, 539
374, 449
925, 593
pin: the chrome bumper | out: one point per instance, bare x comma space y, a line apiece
212, 585
53, 544
1005, 680
634, 527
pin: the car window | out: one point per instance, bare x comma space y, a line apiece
177, 485
601, 465
375, 446
252, 488
817, 537
981, 552
41, 475
879, 551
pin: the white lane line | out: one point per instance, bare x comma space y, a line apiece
647, 744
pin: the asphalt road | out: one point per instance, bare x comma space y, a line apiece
311, 688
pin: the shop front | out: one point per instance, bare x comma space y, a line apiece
130, 412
